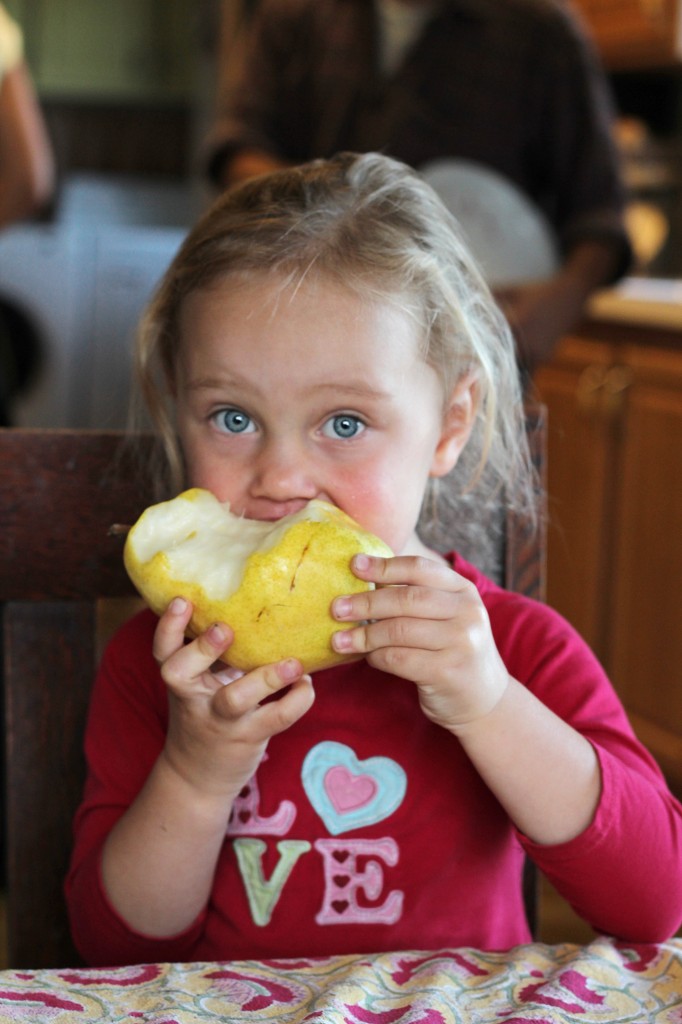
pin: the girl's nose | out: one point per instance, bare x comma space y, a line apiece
284, 472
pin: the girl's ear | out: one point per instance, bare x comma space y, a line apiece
458, 421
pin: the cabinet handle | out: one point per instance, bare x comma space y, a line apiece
590, 383
617, 381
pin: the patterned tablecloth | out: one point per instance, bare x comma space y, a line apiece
601, 983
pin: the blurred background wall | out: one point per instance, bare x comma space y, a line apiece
126, 87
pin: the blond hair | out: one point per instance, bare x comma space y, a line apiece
373, 225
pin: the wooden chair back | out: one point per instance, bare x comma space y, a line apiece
59, 493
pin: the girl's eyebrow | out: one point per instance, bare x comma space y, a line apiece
213, 383
362, 389
359, 389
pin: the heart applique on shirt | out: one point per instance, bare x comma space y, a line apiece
348, 793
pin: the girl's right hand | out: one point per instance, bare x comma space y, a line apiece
219, 726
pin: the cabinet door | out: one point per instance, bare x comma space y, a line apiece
645, 656
634, 33
580, 475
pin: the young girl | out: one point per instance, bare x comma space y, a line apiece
323, 333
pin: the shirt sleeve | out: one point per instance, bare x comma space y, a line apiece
623, 873
125, 733
104, 939
268, 60
573, 114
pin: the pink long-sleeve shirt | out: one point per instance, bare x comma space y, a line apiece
366, 828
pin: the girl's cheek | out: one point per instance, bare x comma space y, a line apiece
202, 473
377, 510
363, 498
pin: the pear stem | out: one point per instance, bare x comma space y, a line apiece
118, 530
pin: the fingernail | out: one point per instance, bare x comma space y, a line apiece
342, 641
361, 562
290, 669
341, 607
217, 634
178, 606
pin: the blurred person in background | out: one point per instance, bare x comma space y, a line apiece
513, 85
27, 176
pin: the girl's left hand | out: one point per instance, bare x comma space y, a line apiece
426, 623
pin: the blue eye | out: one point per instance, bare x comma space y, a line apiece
344, 426
234, 421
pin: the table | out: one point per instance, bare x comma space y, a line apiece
603, 982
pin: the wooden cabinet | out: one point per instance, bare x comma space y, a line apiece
634, 33
615, 506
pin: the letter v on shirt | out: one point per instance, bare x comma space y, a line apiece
346, 794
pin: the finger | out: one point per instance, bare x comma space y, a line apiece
391, 602
401, 633
170, 631
428, 621
278, 715
393, 650
406, 585
192, 661
406, 569
245, 694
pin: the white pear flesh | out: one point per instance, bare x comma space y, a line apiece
272, 582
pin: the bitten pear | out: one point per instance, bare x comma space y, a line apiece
272, 582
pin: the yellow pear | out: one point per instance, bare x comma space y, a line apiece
272, 582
